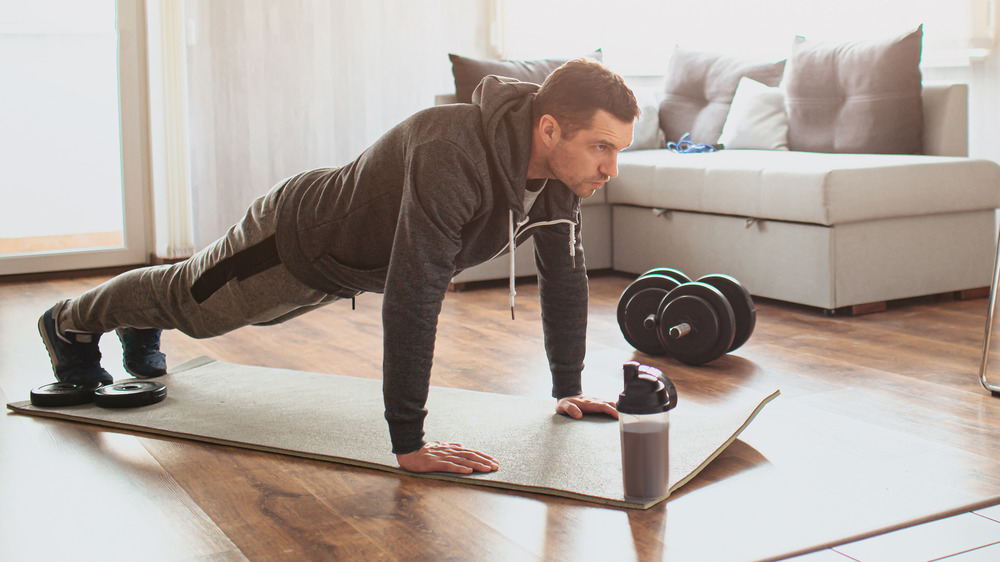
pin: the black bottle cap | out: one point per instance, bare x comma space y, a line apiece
647, 390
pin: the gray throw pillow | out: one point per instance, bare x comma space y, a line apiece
470, 72
859, 97
700, 87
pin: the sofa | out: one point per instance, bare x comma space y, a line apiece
897, 211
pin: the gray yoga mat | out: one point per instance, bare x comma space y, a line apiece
339, 419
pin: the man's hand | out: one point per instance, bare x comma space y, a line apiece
446, 457
576, 406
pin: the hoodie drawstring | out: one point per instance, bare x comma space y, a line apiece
513, 247
572, 242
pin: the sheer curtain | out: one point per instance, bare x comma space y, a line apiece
638, 35
169, 136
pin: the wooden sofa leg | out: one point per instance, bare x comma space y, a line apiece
867, 308
970, 294
858, 309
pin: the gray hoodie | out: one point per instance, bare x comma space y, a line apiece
440, 192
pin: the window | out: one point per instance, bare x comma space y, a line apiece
73, 177
637, 36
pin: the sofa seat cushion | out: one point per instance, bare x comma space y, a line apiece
807, 187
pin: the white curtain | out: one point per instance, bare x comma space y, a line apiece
638, 35
168, 112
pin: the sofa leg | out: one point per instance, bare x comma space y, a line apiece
970, 294
858, 309
867, 308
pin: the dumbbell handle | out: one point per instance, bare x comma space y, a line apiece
649, 322
677, 332
680, 330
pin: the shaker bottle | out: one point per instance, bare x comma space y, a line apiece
643, 416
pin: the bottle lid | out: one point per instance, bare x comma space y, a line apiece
647, 390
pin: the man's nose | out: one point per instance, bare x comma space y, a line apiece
610, 166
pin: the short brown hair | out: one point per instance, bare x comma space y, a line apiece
577, 89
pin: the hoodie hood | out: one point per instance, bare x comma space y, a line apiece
505, 105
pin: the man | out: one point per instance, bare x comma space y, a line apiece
448, 188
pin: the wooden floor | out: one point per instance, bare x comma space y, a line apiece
881, 421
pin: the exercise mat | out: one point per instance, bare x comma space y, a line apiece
340, 419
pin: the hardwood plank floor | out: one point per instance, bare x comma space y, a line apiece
881, 421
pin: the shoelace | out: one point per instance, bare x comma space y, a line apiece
686, 146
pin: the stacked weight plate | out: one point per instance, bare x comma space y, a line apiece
129, 394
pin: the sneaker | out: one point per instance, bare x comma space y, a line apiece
75, 356
141, 352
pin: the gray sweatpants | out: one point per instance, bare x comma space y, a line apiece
161, 296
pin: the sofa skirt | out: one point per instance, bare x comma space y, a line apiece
822, 266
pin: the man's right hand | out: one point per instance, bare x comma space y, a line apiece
446, 457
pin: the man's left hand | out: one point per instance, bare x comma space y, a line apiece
576, 406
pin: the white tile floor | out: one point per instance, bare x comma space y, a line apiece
970, 537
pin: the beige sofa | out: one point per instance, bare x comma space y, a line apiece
821, 229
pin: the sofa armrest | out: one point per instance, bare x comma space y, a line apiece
946, 119
445, 99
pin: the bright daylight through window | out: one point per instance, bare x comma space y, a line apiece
637, 36
61, 179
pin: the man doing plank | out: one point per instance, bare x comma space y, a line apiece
448, 188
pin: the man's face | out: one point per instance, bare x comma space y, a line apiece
590, 158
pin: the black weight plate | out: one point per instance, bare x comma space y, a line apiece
655, 282
707, 311
637, 331
741, 301
675, 274
130, 394
62, 394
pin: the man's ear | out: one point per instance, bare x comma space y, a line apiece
548, 130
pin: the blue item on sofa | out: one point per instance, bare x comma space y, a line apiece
686, 146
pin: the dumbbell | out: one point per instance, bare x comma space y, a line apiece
664, 313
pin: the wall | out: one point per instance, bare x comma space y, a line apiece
983, 78
280, 87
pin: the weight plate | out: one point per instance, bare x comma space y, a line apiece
63, 394
640, 321
710, 318
741, 301
635, 314
675, 274
130, 394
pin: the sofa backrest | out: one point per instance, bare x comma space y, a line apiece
946, 118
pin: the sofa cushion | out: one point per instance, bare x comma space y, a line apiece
860, 97
647, 134
700, 87
470, 72
757, 118
805, 187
